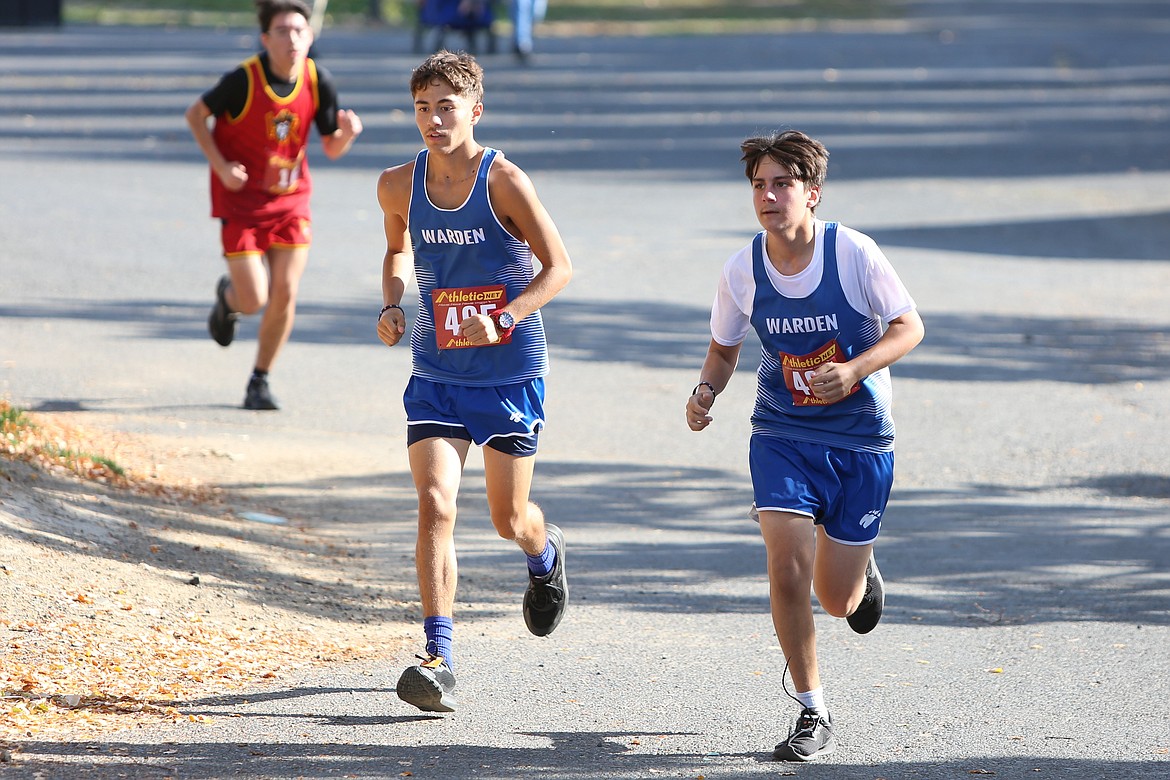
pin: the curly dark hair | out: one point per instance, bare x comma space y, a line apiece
459, 69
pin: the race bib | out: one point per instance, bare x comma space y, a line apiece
282, 175
452, 305
799, 369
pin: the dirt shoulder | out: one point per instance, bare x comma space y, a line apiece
125, 597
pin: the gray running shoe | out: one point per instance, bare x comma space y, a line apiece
222, 322
428, 685
545, 599
259, 397
869, 611
811, 737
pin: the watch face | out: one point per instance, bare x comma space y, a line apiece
505, 320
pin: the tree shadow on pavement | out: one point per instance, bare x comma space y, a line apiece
987, 555
973, 95
175, 537
678, 540
1113, 237
661, 335
994, 348
584, 755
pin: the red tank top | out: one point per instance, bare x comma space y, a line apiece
269, 137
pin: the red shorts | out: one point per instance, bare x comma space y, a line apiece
240, 238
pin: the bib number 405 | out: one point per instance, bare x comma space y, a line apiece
456, 315
452, 305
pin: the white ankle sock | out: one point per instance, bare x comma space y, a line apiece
815, 701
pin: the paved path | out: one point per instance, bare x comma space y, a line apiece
1011, 158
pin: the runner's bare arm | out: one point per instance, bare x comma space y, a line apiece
515, 201
231, 173
349, 127
718, 368
833, 381
398, 263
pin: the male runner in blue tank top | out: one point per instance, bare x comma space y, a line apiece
832, 316
467, 224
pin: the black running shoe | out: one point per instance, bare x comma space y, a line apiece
259, 397
812, 737
222, 322
428, 685
545, 599
869, 611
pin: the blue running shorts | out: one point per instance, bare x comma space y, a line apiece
507, 418
845, 491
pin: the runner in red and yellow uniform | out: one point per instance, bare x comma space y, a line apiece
260, 183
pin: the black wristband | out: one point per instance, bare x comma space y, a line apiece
710, 387
388, 307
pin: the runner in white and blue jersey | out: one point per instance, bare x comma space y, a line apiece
832, 316
466, 224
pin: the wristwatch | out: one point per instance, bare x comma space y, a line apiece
505, 322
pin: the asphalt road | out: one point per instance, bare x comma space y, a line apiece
1011, 158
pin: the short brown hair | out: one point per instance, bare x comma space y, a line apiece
459, 69
805, 158
267, 10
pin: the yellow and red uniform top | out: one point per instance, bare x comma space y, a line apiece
270, 138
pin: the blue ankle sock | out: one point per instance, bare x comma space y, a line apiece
541, 565
439, 630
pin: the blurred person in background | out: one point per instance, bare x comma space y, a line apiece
256, 145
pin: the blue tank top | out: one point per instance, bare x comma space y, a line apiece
798, 334
464, 260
